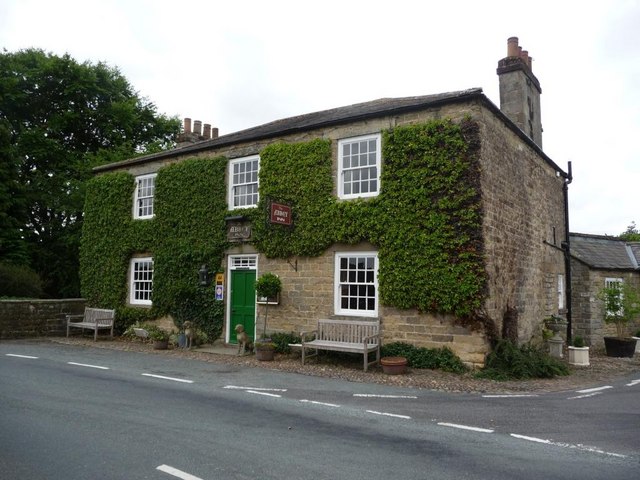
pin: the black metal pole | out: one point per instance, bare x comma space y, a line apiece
566, 246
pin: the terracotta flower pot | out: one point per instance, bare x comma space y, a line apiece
160, 344
265, 354
393, 365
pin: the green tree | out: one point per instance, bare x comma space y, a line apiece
631, 234
63, 118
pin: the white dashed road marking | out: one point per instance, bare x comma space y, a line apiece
597, 389
320, 403
465, 427
395, 415
509, 396
371, 395
89, 366
264, 393
177, 473
258, 389
19, 356
567, 445
588, 395
633, 383
162, 377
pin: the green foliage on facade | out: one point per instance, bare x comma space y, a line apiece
425, 223
190, 207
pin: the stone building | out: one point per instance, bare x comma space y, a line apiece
481, 258
596, 262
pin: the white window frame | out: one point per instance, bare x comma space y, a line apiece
561, 292
339, 283
232, 185
140, 196
343, 171
140, 290
608, 282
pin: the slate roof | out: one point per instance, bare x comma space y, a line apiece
334, 116
607, 253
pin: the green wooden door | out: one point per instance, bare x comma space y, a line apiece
243, 302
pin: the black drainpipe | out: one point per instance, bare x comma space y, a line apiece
566, 246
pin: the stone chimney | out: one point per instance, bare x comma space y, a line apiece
520, 91
198, 134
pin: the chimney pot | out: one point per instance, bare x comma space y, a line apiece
214, 132
197, 127
206, 133
512, 47
187, 125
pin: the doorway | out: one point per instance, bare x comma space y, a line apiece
242, 295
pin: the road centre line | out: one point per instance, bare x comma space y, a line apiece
585, 396
320, 403
266, 394
389, 414
177, 473
465, 427
20, 356
87, 365
258, 389
597, 389
167, 378
581, 447
633, 383
371, 395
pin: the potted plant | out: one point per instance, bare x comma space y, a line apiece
578, 352
555, 324
637, 337
268, 286
159, 337
621, 304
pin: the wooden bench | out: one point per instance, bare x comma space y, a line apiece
93, 319
355, 336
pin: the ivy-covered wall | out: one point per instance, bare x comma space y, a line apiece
426, 222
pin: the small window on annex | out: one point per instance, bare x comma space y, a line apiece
143, 198
359, 166
243, 182
356, 284
615, 283
141, 281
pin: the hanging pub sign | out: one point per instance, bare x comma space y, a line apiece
280, 214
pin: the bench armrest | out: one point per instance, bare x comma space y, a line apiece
371, 337
303, 335
69, 317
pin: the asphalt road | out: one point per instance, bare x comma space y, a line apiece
70, 412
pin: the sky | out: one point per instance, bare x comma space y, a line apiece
239, 64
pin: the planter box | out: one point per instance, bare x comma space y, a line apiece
620, 347
579, 356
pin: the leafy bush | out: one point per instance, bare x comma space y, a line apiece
19, 281
282, 341
507, 361
199, 306
578, 341
422, 357
127, 317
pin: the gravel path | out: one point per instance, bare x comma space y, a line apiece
602, 370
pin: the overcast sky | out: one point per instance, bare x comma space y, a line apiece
238, 64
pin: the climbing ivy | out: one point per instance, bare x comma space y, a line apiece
425, 223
